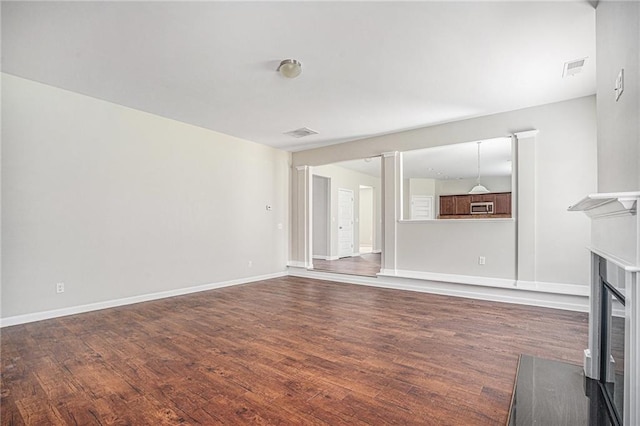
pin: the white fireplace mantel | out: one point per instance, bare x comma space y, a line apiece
607, 204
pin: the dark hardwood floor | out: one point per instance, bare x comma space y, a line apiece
367, 264
282, 351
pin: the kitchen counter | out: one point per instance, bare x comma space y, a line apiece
475, 216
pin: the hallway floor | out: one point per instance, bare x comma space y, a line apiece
367, 265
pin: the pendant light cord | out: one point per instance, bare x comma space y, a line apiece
478, 163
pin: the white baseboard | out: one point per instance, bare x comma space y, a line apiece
497, 290
38, 316
536, 286
555, 288
571, 297
449, 278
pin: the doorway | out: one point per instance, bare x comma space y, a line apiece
337, 216
321, 217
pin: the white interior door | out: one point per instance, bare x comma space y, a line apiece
421, 207
345, 222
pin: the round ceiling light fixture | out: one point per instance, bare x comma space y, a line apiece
290, 68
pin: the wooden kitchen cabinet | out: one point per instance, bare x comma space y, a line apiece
483, 198
459, 206
502, 204
447, 205
463, 204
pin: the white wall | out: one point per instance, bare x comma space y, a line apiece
348, 179
420, 186
563, 168
117, 203
453, 247
417, 186
618, 47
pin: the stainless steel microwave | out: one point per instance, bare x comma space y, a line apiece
482, 208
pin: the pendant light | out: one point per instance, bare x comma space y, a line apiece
479, 189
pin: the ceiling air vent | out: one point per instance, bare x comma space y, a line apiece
573, 67
301, 133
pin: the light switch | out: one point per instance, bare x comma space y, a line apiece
619, 84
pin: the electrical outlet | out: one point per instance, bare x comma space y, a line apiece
60, 288
250, 263
481, 260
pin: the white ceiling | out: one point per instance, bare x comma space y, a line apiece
369, 68
448, 162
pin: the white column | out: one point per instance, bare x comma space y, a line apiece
526, 205
391, 209
301, 251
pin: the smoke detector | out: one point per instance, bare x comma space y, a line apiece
301, 132
573, 67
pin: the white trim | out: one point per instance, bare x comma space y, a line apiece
615, 260
38, 316
302, 168
451, 278
587, 363
571, 297
534, 286
518, 296
554, 288
527, 134
390, 154
608, 204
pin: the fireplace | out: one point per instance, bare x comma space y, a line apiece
612, 359
610, 336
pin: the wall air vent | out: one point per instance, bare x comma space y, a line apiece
301, 133
573, 67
